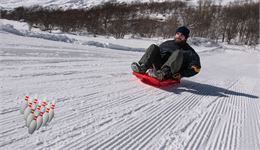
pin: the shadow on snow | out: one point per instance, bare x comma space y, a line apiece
204, 89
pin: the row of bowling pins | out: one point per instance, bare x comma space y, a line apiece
36, 114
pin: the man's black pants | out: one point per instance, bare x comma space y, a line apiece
153, 57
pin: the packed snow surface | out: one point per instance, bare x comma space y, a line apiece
101, 105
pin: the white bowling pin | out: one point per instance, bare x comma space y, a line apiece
51, 113
44, 103
46, 115
31, 116
28, 109
35, 101
39, 119
33, 124
29, 119
25, 104
39, 107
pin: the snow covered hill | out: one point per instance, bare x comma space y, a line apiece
100, 105
10, 4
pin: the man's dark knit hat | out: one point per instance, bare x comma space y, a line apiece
184, 30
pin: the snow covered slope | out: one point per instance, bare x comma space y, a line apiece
9, 4
100, 105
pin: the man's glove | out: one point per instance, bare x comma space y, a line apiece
177, 76
195, 68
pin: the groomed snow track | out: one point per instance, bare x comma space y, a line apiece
100, 105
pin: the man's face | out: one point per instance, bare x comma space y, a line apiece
179, 37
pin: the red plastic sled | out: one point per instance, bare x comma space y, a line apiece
152, 81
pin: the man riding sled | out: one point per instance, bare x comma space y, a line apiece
173, 59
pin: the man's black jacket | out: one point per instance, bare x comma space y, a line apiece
191, 61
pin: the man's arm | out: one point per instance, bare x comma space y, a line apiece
193, 67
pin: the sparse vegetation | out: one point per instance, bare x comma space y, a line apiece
238, 22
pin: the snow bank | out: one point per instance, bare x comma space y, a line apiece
112, 46
19, 28
10, 29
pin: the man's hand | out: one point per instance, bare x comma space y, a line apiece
195, 68
177, 76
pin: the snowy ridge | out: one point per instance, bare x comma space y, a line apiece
100, 105
5, 26
10, 4
10, 29
112, 46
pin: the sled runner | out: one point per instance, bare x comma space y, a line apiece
152, 81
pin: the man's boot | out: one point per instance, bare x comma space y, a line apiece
138, 68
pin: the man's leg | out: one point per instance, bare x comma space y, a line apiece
174, 62
152, 57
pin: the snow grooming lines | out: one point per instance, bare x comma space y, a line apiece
36, 113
